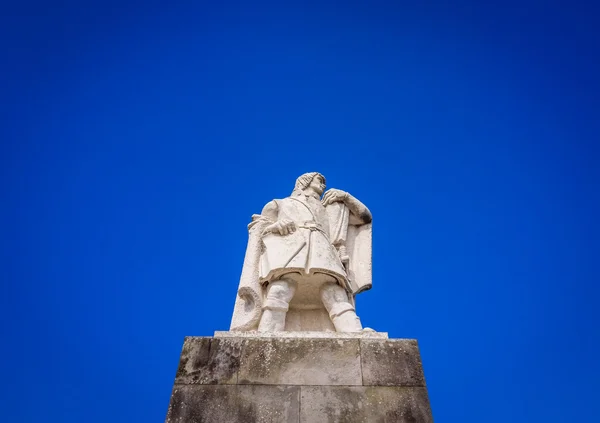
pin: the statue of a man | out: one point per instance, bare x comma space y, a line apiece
299, 259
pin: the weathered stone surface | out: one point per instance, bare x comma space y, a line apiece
209, 361
300, 380
391, 362
292, 361
303, 334
357, 404
234, 404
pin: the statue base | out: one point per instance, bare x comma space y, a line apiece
306, 377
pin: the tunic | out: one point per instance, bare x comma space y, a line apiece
308, 250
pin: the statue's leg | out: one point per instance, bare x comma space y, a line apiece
342, 313
279, 295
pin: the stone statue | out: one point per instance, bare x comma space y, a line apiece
306, 260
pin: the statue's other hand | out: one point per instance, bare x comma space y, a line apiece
333, 196
282, 227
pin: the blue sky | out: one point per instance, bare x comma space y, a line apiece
139, 138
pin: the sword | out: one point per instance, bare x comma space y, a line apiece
295, 254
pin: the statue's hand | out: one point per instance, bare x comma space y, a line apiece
333, 196
282, 227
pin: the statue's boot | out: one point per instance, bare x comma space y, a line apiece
341, 312
272, 320
344, 318
275, 307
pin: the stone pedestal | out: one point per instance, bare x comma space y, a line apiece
299, 377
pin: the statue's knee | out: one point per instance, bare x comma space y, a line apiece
281, 290
331, 294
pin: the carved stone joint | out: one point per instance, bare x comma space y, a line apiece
340, 308
275, 304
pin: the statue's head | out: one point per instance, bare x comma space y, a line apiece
311, 181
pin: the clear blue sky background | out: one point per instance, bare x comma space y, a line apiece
138, 138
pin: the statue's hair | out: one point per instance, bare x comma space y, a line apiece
304, 181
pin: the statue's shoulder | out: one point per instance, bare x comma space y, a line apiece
271, 207
276, 205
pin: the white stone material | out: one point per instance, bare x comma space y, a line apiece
307, 258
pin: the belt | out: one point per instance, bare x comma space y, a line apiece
312, 226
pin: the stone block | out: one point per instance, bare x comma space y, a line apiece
391, 362
304, 361
298, 378
234, 404
209, 361
364, 404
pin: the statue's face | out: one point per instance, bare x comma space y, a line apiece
318, 184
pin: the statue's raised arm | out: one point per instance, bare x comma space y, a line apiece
359, 213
